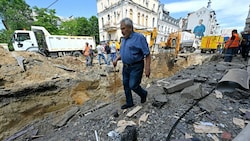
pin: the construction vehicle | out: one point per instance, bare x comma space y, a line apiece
181, 41
40, 40
117, 44
211, 43
150, 35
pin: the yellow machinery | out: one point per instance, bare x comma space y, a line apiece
211, 43
180, 41
117, 44
146, 33
173, 41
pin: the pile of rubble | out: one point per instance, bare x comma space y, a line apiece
185, 106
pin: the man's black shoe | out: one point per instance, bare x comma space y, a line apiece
125, 106
144, 99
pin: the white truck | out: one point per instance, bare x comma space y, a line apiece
40, 40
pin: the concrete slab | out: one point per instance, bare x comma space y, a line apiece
178, 85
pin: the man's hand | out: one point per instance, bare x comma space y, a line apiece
115, 63
116, 60
147, 72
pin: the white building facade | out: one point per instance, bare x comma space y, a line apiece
209, 20
111, 12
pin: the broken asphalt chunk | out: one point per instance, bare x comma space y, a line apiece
178, 85
159, 101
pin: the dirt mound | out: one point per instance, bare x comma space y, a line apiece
33, 86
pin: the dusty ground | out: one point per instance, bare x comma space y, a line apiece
44, 85
33, 98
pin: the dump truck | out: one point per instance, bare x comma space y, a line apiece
38, 39
211, 43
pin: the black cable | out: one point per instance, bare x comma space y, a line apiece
51, 4
175, 124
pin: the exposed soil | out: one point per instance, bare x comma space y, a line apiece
34, 98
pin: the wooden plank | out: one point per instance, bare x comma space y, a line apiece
132, 112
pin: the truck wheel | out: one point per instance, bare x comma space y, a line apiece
77, 53
202, 51
192, 49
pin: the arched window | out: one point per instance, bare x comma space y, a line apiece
153, 22
138, 19
142, 19
131, 14
102, 22
114, 17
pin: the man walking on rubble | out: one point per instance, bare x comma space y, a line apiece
133, 51
100, 50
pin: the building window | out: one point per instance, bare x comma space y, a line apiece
131, 14
102, 22
109, 37
108, 17
153, 22
138, 20
114, 17
142, 19
146, 21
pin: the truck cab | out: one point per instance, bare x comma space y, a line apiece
23, 40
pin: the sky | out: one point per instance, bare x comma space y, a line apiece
229, 13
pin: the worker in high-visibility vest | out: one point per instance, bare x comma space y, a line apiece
231, 46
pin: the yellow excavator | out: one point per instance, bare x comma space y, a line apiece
146, 33
180, 41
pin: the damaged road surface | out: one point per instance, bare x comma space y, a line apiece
61, 99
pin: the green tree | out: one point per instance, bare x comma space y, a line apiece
94, 27
69, 28
46, 18
15, 14
81, 26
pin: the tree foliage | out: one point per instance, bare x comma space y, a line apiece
46, 18
81, 26
15, 14
94, 27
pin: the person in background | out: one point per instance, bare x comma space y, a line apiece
91, 54
108, 52
133, 51
113, 51
86, 53
231, 45
245, 44
100, 51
